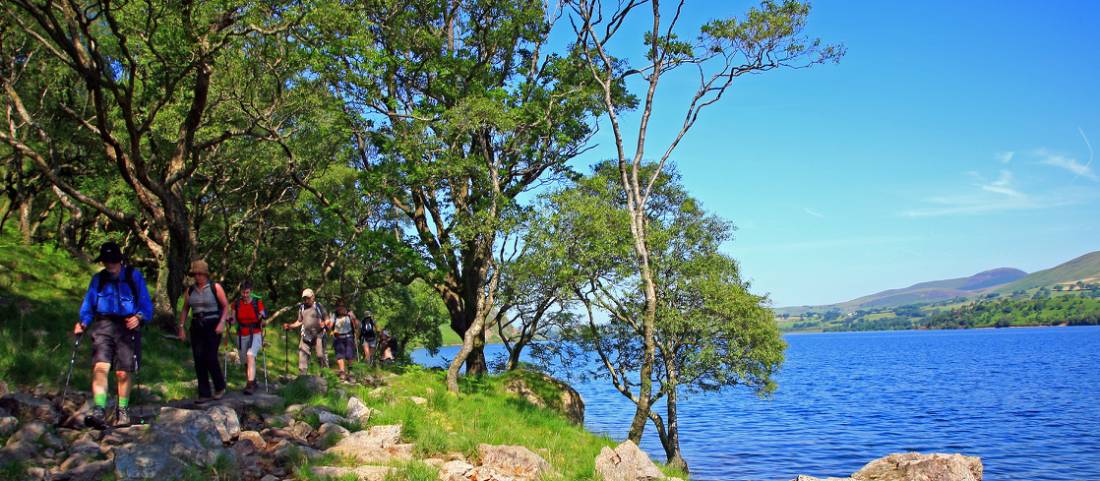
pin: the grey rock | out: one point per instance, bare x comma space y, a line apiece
226, 421
269, 477
90, 470
626, 463
363, 473
922, 467
379, 444
180, 437
455, 471
417, 400
8, 425
314, 384
295, 408
300, 430
336, 431
358, 411
29, 408
568, 402
515, 461
253, 438
326, 417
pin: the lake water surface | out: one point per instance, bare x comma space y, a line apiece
1026, 400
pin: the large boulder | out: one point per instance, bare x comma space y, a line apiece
314, 384
922, 467
915, 467
515, 461
91, 470
29, 408
362, 473
24, 443
226, 421
626, 462
546, 392
325, 417
379, 444
179, 437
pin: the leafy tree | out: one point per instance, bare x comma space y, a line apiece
711, 332
766, 38
456, 109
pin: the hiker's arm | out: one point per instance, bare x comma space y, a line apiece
296, 324
225, 308
87, 308
144, 301
183, 317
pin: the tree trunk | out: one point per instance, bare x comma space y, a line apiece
514, 354
467, 353
673, 456
649, 326
25, 207
475, 360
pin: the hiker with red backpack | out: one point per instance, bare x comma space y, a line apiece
115, 307
207, 301
249, 314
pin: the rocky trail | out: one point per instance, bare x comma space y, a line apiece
254, 438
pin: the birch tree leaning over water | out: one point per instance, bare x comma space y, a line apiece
768, 37
710, 332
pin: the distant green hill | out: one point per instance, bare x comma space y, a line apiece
1085, 269
921, 293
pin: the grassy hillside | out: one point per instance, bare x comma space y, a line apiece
1085, 268
40, 292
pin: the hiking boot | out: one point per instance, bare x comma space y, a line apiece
95, 419
122, 417
250, 388
219, 393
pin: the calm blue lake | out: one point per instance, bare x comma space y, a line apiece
1026, 400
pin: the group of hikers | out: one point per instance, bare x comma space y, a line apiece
117, 304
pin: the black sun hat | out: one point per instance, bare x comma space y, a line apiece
109, 252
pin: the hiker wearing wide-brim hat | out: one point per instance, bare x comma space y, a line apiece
207, 302
115, 307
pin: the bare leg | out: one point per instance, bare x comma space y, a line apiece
123, 378
250, 371
99, 377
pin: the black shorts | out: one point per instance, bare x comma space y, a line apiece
113, 343
345, 347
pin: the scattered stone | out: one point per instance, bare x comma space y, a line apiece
515, 461
455, 471
328, 430
379, 444
315, 384
29, 408
252, 437
363, 473
326, 417
435, 462
568, 402
181, 437
300, 430
626, 463
226, 421
8, 425
24, 443
359, 412
131, 434
417, 400
295, 408
811, 478
269, 477
88, 471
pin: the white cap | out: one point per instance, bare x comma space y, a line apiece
307, 293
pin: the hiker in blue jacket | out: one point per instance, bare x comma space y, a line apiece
115, 307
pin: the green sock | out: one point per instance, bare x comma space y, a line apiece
101, 400
123, 402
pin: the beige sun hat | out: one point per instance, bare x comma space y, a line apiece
199, 267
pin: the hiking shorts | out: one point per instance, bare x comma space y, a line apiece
250, 345
345, 347
114, 344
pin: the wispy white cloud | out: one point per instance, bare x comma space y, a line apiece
1004, 157
1001, 194
1065, 162
813, 212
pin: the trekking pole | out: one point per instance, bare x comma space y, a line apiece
72, 361
286, 353
263, 353
137, 367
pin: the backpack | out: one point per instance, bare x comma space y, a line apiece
255, 310
213, 290
316, 305
127, 275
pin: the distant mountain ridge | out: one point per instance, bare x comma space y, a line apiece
1002, 280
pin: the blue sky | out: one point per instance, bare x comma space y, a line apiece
951, 139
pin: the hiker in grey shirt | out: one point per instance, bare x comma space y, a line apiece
310, 317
